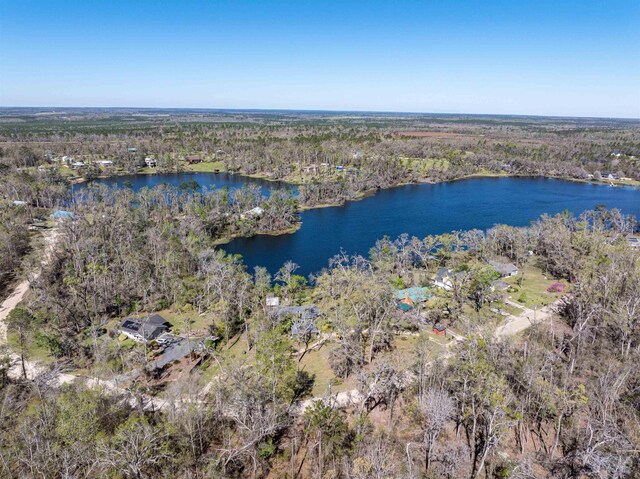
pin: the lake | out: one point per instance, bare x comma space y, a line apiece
418, 210
209, 180
422, 210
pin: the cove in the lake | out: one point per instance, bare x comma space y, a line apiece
425, 209
418, 210
208, 180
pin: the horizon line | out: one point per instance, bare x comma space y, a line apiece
385, 112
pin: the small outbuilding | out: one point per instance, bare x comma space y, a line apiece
273, 301
256, 212
499, 285
439, 329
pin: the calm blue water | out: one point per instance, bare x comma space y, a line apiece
418, 210
421, 210
210, 180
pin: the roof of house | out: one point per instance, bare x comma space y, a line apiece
404, 306
308, 311
61, 214
500, 285
149, 327
257, 211
442, 274
504, 268
304, 328
445, 273
273, 301
416, 295
439, 327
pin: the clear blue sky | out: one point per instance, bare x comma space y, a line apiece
578, 58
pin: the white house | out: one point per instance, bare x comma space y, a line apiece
256, 212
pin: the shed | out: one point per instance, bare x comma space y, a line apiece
500, 285
439, 329
273, 301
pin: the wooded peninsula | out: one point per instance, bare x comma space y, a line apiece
132, 345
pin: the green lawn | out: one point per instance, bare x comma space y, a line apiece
35, 352
198, 324
68, 172
424, 164
316, 362
205, 166
533, 292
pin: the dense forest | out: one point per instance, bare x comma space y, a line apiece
371, 151
510, 352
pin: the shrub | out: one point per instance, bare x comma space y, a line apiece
556, 288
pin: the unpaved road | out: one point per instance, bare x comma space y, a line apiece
517, 323
31, 367
513, 325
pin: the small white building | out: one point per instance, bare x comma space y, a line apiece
256, 212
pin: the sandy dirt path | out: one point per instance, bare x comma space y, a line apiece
517, 323
15, 298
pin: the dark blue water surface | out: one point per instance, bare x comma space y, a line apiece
421, 210
209, 180
418, 210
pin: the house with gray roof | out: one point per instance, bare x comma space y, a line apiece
505, 269
445, 277
145, 329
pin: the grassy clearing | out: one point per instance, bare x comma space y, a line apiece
233, 353
68, 172
425, 164
205, 167
34, 351
180, 320
532, 287
316, 363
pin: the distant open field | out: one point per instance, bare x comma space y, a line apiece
429, 134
